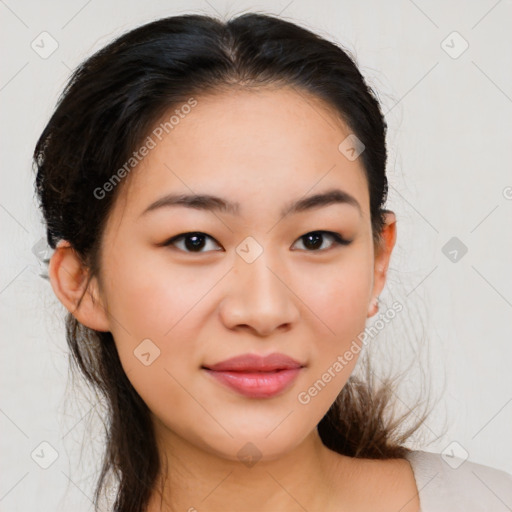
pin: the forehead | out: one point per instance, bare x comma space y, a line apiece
259, 148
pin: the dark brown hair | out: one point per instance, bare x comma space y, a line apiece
109, 106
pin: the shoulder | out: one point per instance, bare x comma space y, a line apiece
386, 485
453, 484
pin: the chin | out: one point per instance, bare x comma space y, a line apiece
250, 453
250, 446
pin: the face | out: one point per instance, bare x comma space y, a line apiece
246, 279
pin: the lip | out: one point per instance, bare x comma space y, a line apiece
256, 376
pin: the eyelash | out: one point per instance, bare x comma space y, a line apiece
338, 240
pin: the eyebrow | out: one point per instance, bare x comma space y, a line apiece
209, 202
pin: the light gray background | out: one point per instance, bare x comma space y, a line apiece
450, 156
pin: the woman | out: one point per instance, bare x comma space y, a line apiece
215, 193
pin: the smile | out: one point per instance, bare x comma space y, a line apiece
255, 375
252, 384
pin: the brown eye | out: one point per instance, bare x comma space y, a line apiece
314, 240
190, 242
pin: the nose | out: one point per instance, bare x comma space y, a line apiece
260, 297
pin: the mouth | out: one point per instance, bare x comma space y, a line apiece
255, 376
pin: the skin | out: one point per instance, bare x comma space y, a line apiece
262, 149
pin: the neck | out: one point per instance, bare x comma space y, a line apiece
303, 479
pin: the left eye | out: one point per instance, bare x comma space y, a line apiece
195, 241
314, 239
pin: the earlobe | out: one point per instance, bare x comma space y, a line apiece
68, 278
373, 307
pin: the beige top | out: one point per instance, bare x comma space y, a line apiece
452, 484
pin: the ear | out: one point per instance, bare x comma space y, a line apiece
382, 258
68, 278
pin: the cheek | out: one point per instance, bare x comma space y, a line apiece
343, 302
151, 309
150, 297
340, 305
338, 296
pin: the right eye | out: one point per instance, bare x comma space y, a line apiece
192, 241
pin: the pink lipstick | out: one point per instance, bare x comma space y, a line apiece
255, 376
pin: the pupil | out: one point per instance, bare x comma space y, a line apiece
317, 237
197, 244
